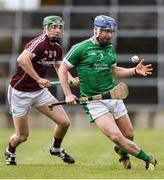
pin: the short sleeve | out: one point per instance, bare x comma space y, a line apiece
34, 46
73, 56
114, 56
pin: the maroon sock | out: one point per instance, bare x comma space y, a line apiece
11, 149
57, 142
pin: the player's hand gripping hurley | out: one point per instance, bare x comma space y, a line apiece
118, 92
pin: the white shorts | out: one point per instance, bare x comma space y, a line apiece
20, 102
96, 109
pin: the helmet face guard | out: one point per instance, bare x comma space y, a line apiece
101, 23
53, 20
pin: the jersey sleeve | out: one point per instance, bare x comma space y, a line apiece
114, 57
73, 56
34, 46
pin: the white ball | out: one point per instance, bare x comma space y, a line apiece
135, 59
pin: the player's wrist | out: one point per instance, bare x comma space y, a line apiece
38, 79
135, 71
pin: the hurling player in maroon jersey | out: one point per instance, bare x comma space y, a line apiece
28, 87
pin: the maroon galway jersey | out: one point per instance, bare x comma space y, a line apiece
45, 55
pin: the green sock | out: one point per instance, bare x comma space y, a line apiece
143, 155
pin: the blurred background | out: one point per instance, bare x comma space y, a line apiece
140, 32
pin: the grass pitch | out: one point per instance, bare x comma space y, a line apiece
93, 152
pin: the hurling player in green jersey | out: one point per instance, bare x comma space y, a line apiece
95, 59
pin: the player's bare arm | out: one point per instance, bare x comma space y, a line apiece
74, 80
63, 76
120, 72
140, 69
24, 60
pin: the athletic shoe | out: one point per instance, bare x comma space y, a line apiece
124, 158
62, 154
10, 158
151, 164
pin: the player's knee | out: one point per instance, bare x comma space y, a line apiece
65, 124
116, 137
129, 134
23, 137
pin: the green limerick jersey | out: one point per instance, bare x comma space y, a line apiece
94, 66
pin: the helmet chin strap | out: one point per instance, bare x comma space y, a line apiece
102, 43
96, 32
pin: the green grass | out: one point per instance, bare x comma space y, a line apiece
95, 158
